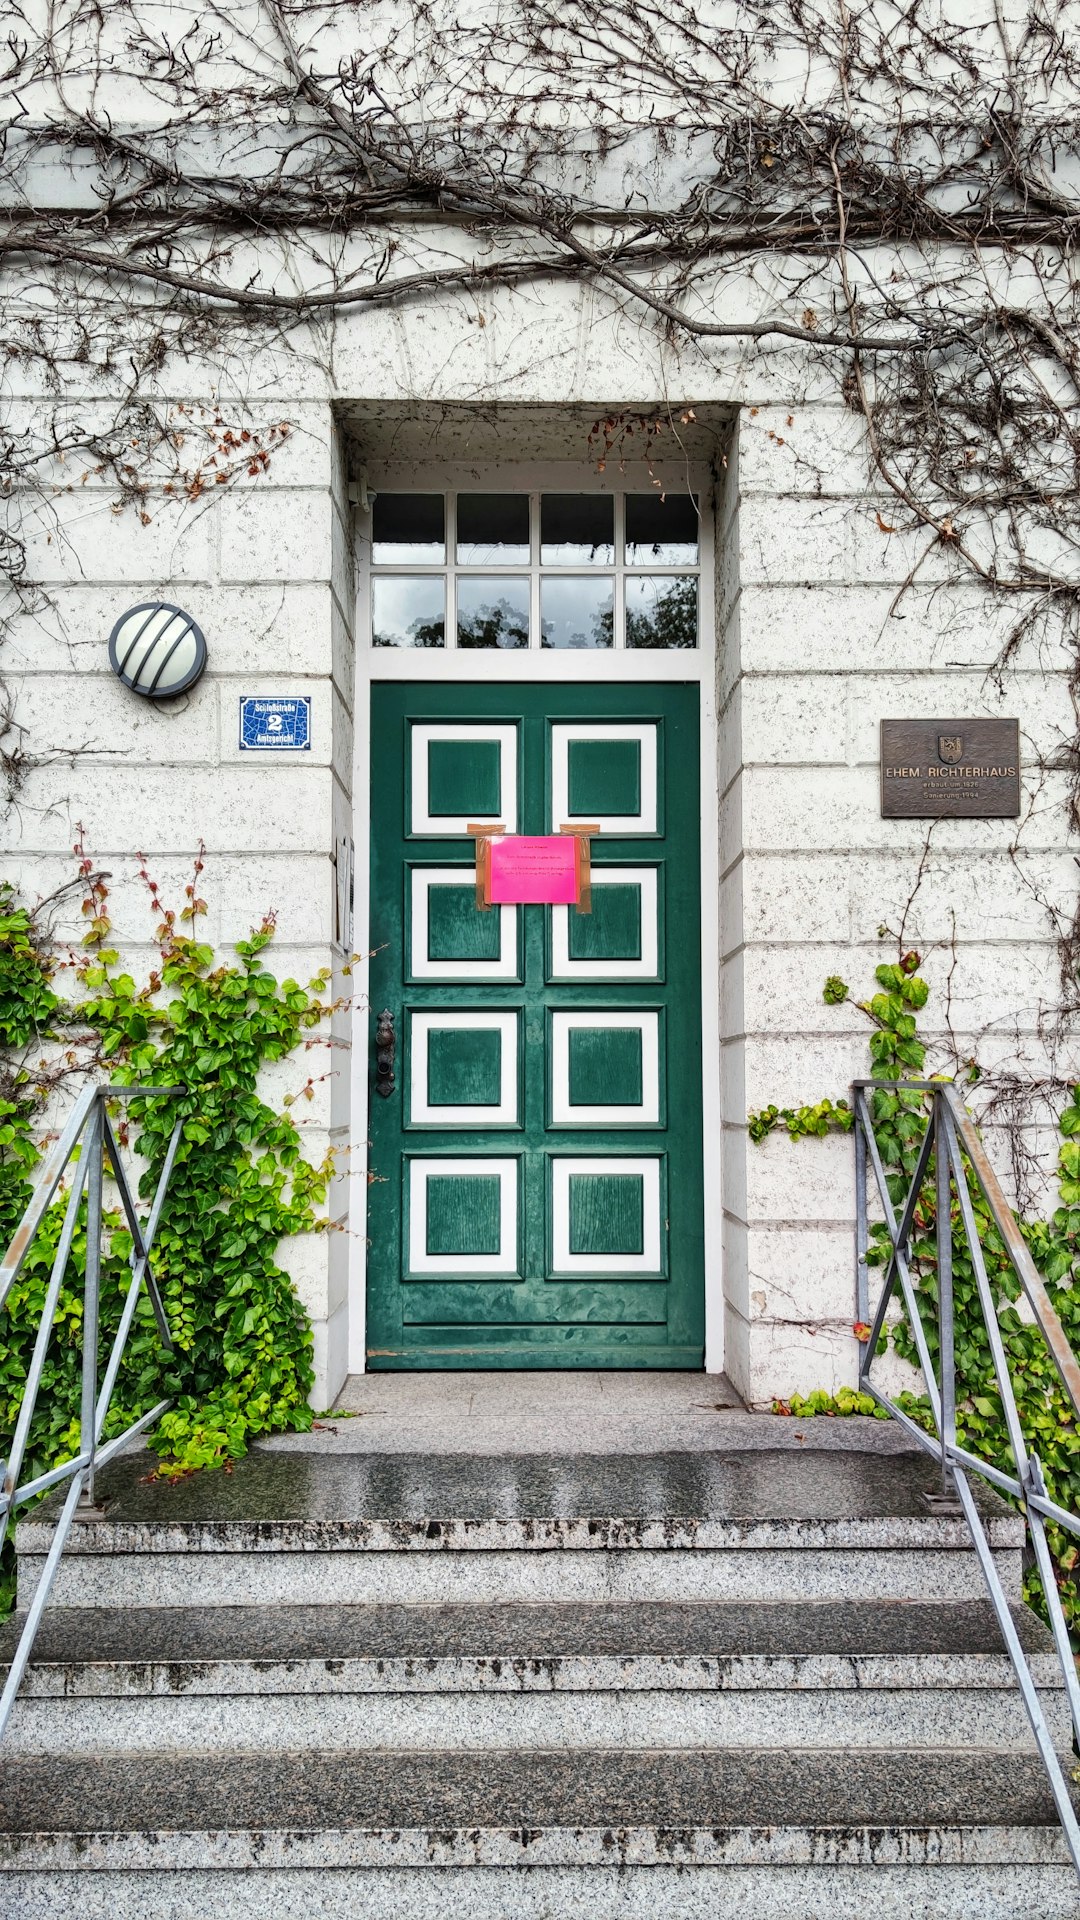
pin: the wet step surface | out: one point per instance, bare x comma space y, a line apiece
399, 1495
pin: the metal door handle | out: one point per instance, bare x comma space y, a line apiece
385, 1048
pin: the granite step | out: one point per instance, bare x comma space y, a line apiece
294, 1529
536, 1836
321, 1678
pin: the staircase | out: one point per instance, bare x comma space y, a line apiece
755, 1674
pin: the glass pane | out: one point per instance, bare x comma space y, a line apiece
661, 611
492, 613
408, 613
577, 528
576, 613
493, 529
661, 530
408, 529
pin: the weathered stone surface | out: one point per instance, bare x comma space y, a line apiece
601, 1793
988, 1881
956, 1636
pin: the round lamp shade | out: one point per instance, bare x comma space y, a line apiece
157, 650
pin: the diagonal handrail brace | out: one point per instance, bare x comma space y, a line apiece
951, 1141
87, 1134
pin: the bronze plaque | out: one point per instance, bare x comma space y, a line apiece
950, 769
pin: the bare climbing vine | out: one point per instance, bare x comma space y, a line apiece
880, 198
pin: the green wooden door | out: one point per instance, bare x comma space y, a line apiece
535, 1197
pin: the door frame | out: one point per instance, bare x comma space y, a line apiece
424, 666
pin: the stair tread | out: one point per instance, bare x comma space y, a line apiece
286, 1499
527, 1631
489, 1791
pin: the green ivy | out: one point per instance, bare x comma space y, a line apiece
846, 1400
27, 1009
242, 1360
899, 1120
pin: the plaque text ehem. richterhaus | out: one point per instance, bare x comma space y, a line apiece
950, 769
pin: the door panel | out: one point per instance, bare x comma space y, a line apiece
536, 1175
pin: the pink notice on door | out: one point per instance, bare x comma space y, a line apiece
528, 868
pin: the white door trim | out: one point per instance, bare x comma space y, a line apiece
437, 666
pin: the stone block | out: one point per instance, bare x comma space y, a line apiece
732, 1016
807, 1180
797, 719
732, 833
93, 717
274, 628
343, 569
343, 656
803, 1064
286, 539
842, 626
797, 540
79, 537
733, 1081
801, 897
731, 750
999, 896
971, 986
303, 1256
783, 991
302, 457
801, 1274
732, 910
341, 736
120, 808
787, 1358
337, 1355
806, 450
303, 1079
296, 888
1041, 702
836, 809
337, 1263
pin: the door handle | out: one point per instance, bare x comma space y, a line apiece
385, 1049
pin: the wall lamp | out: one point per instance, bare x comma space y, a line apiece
157, 650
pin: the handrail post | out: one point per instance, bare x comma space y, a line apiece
95, 1147
862, 1234
946, 1332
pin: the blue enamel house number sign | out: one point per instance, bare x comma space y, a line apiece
272, 723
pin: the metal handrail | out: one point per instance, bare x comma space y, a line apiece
952, 1142
89, 1130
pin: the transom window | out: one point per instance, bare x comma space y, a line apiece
519, 570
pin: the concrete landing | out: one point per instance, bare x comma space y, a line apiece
498, 1413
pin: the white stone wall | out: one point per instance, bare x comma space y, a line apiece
818, 638
266, 570
821, 636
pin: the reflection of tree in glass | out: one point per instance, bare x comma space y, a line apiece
501, 625
427, 633
671, 620
600, 634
